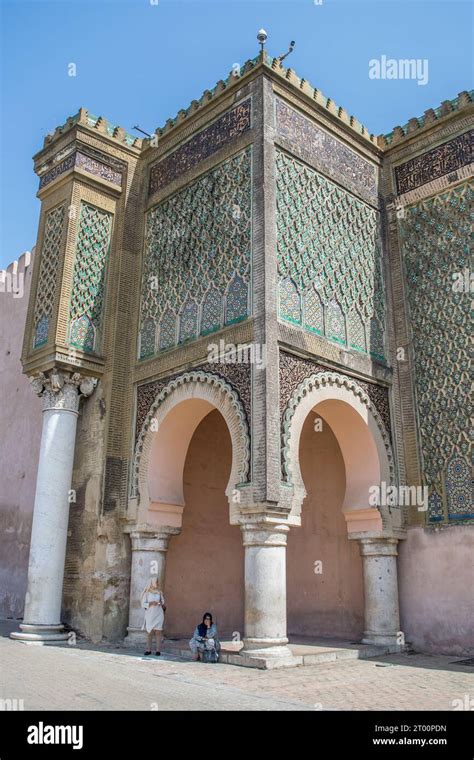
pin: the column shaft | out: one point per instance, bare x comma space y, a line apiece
382, 620
265, 591
42, 616
149, 549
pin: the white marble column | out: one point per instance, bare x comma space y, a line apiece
149, 547
382, 619
265, 591
61, 393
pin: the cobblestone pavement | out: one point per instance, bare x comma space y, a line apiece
84, 677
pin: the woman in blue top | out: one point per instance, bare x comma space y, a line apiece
205, 644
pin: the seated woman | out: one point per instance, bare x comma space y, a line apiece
205, 644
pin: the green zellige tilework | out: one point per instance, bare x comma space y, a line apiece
88, 286
329, 259
47, 282
435, 236
197, 258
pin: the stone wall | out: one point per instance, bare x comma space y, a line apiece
325, 600
20, 426
436, 578
205, 563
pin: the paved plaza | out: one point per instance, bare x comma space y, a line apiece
84, 677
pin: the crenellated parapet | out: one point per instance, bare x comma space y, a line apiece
99, 123
272, 67
432, 116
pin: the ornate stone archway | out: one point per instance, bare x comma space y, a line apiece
368, 459
362, 436
157, 496
214, 392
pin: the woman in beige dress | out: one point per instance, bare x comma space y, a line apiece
153, 602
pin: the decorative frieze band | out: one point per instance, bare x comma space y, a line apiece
232, 124
93, 165
435, 163
326, 153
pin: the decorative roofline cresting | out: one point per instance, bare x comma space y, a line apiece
383, 142
86, 119
430, 117
263, 60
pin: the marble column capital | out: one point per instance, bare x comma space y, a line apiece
62, 390
264, 534
378, 547
152, 540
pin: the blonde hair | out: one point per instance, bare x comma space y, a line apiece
152, 585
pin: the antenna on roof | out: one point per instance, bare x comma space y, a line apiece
142, 131
290, 50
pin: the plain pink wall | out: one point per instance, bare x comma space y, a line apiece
20, 435
436, 584
205, 563
330, 604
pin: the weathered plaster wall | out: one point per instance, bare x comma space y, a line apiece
97, 569
205, 563
436, 581
20, 435
330, 603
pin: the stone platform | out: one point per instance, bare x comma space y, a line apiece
304, 651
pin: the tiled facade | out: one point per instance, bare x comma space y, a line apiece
329, 259
197, 258
197, 238
88, 287
433, 234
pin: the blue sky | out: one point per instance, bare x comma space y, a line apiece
139, 63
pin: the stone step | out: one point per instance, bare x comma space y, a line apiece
302, 654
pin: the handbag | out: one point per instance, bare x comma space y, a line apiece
210, 653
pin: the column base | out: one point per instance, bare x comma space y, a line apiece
265, 654
391, 640
39, 633
135, 637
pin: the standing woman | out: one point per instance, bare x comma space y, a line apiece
153, 602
